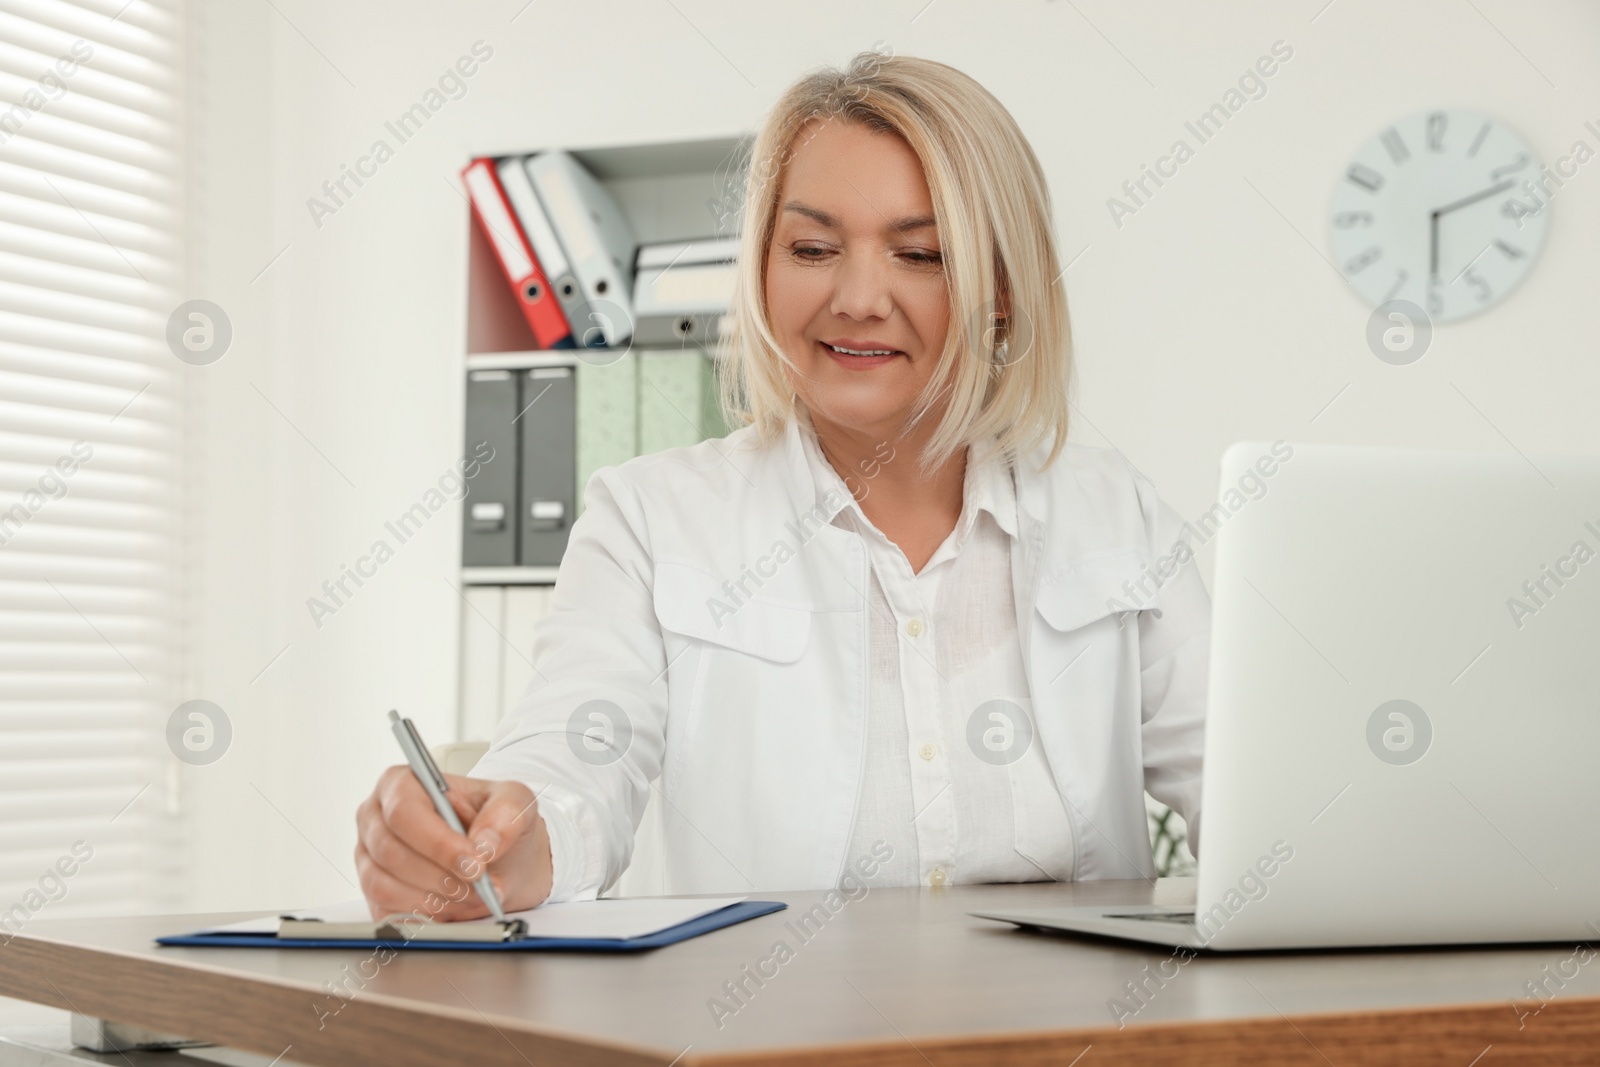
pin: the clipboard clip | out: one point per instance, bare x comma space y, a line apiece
413, 927
404, 927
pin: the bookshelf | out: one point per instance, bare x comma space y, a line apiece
669, 192
637, 401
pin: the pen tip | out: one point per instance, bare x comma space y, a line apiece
394, 716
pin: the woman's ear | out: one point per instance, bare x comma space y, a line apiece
1011, 332
999, 327
1001, 317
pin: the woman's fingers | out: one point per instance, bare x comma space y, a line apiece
387, 895
508, 829
507, 811
410, 860
408, 812
392, 854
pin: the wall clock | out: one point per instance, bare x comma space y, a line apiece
1443, 209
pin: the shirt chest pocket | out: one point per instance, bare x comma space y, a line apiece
699, 607
1095, 587
1089, 638
733, 663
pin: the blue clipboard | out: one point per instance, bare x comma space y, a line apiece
704, 924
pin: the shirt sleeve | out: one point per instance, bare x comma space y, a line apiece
589, 735
577, 871
1174, 660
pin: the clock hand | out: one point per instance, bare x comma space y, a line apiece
1433, 221
1473, 199
1433, 246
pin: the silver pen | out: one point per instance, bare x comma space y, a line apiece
432, 780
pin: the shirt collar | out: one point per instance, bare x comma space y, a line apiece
830, 494
988, 485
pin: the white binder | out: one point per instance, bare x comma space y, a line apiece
598, 240
682, 291
542, 237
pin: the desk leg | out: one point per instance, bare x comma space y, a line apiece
103, 1035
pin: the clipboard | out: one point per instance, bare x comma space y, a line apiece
395, 935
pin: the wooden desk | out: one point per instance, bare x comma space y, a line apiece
900, 976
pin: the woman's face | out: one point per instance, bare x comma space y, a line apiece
855, 287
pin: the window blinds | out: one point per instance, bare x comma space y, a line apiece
89, 434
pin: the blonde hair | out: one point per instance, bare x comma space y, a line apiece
1007, 358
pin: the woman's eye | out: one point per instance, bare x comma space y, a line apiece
808, 251
921, 257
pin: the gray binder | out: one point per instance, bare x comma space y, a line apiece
489, 509
549, 462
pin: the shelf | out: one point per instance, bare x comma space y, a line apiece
508, 575
569, 357
681, 191
660, 159
562, 357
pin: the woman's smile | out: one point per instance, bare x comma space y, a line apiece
856, 354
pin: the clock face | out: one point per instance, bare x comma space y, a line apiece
1443, 209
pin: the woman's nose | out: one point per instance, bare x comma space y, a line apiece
862, 287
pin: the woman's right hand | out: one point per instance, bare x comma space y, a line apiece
409, 859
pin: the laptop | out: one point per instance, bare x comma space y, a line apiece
1403, 714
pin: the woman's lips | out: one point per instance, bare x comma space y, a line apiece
858, 362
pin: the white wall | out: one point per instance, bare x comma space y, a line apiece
1207, 317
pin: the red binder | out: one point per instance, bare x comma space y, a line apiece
517, 261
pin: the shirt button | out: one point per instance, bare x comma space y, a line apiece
936, 878
914, 627
927, 751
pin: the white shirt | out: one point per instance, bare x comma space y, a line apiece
943, 647
714, 612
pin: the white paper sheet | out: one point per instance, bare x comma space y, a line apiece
636, 917
621, 919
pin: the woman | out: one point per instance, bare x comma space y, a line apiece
896, 627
